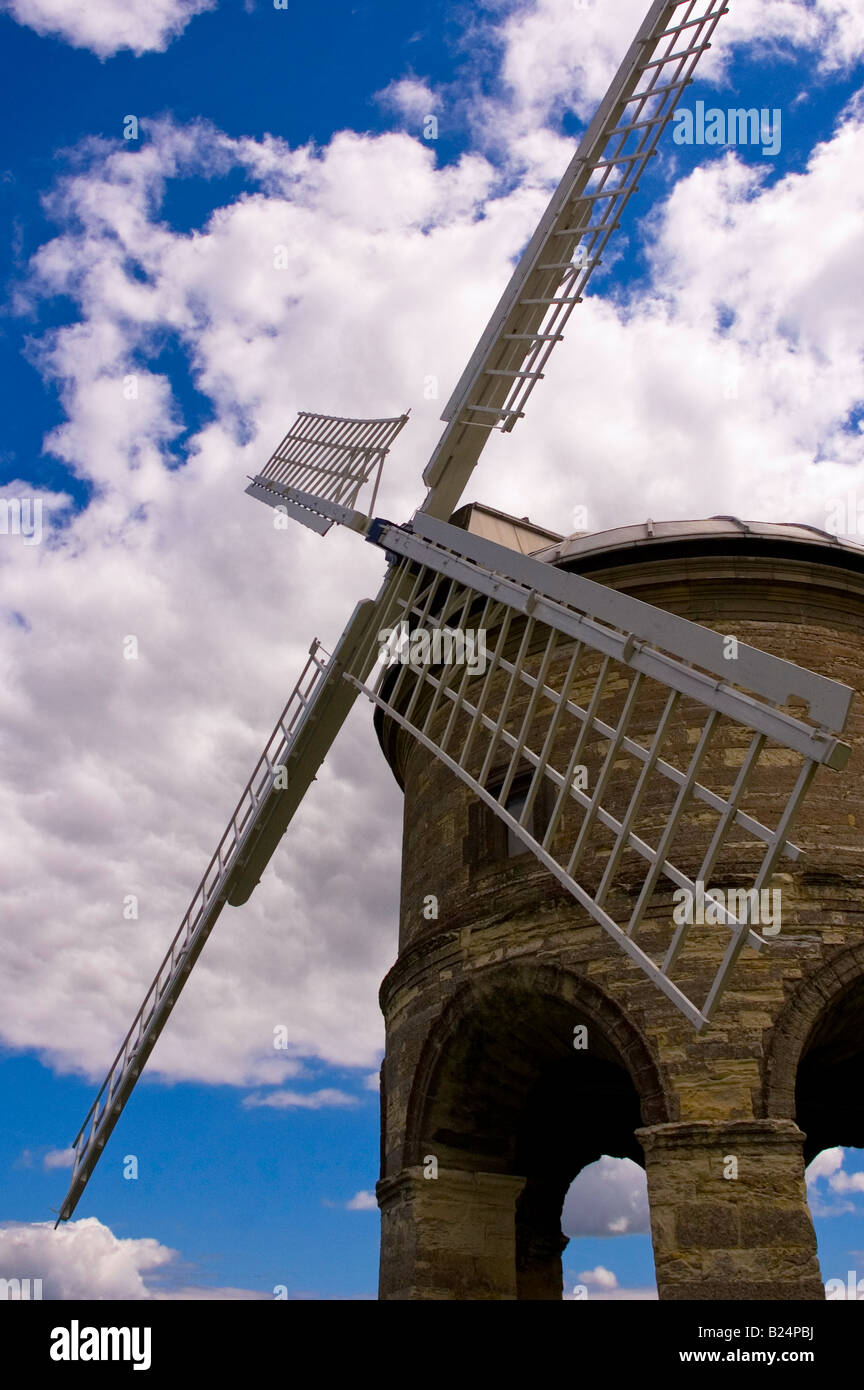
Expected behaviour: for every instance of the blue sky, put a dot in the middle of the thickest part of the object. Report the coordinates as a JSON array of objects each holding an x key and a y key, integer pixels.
[{"x": 152, "y": 258}]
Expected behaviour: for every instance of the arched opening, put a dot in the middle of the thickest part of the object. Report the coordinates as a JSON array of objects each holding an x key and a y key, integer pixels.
[
  {"x": 533, "y": 1077},
  {"x": 580, "y": 1108},
  {"x": 829, "y": 1085},
  {"x": 831, "y": 1076},
  {"x": 607, "y": 1219},
  {"x": 817, "y": 1062}
]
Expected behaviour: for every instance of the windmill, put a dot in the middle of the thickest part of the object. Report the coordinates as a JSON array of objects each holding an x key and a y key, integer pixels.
[{"x": 557, "y": 641}]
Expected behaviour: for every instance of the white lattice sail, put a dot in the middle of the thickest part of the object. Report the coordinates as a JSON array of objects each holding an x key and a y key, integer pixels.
[{"x": 324, "y": 458}]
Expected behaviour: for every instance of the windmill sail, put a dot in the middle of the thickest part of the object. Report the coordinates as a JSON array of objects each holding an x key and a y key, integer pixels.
[
  {"x": 318, "y": 707},
  {"x": 567, "y": 246},
  {"x": 635, "y": 727},
  {"x": 325, "y": 459}
]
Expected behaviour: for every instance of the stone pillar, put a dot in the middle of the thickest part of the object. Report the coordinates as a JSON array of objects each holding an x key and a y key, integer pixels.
[
  {"x": 717, "y": 1237},
  {"x": 450, "y": 1237},
  {"x": 539, "y": 1241},
  {"x": 538, "y": 1267}
]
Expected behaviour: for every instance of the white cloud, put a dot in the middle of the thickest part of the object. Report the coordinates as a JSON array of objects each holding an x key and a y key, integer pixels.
[
  {"x": 107, "y": 26},
  {"x": 829, "y": 1164},
  {"x": 602, "y": 1277},
  {"x": 614, "y": 1294},
  {"x": 824, "y": 1164},
  {"x": 85, "y": 1260},
  {"x": 833, "y": 30},
  {"x": 847, "y": 1182},
  {"x": 692, "y": 406},
  {"x": 410, "y": 97},
  {"x": 555, "y": 58},
  {"x": 299, "y": 1100},
  {"x": 362, "y": 1201},
  {"x": 142, "y": 761},
  {"x": 59, "y": 1158},
  {"x": 608, "y": 1198}
]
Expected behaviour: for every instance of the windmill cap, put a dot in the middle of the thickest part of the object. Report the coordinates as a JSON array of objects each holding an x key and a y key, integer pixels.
[{"x": 709, "y": 536}]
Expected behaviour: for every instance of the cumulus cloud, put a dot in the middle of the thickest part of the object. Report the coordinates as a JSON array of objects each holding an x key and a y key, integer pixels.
[
  {"x": 833, "y": 30},
  {"x": 557, "y": 58},
  {"x": 362, "y": 1201},
  {"x": 148, "y": 756},
  {"x": 85, "y": 1260},
  {"x": 829, "y": 1165},
  {"x": 608, "y": 1198},
  {"x": 824, "y": 1165},
  {"x": 739, "y": 349},
  {"x": 847, "y": 1182},
  {"x": 602, "y": 1277},
  {"x": 554, "y": 59},
  {"x": 107, "y": 26},
  {"x": 411, "y": 97}
]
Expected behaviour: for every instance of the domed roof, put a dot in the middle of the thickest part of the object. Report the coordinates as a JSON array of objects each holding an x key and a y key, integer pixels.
[{"x": 708, "y": 536}]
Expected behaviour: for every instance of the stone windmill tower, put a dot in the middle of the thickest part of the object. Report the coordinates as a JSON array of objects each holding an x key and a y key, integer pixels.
[
  {"x": 482, "y": 1082},
  {"x": 603, "y": 744}
]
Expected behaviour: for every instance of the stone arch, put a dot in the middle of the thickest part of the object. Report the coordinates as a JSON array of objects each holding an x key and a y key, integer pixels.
[
  {"x": 814, "y": 1062},
  {"x": 659, "y": 1104},
  {"x": 500, "y": 1089}
]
